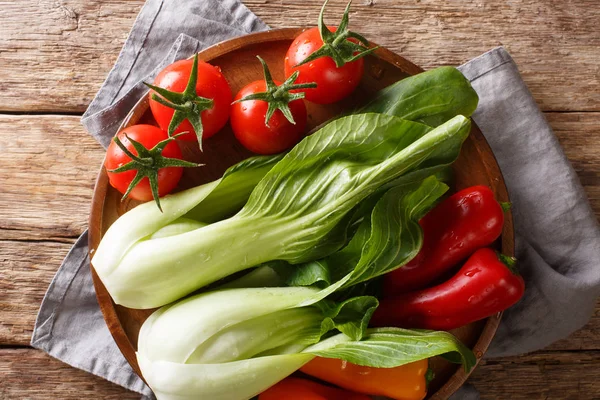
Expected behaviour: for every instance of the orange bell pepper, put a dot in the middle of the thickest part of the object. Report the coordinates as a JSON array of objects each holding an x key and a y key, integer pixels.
[
  {"x": 303, "y": 389},
  {"x": 406, "y": 382}
]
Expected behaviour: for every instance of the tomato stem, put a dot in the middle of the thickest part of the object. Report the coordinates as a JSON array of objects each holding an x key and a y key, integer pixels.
[
  {"x": 336, "y": 44},
  {"x": 506, "y": 205},
  {"x": 187, "y": 105},
  {"x": 278, "y": 97},
  {"x": 147, "y": 163}
]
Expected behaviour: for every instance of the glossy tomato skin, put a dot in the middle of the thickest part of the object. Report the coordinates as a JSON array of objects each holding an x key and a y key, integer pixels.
[
  {"x": 148, "y": 136},
  {"x": 211, "y": 84},
  {"x": 333, "y": 83},
  {"x": 248, "y": 122}
]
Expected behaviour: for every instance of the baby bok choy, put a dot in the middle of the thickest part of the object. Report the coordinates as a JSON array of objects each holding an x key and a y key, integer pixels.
[
  {"x": 299, "y": 211},
  {"x": 234, "y": 343}
]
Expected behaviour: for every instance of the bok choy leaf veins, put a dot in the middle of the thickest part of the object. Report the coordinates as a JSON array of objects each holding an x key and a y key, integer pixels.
[{"x": 290, "y": 213}]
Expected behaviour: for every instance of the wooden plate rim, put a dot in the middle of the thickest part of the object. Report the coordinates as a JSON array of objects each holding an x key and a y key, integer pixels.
[{"x": 105, "y": 302}]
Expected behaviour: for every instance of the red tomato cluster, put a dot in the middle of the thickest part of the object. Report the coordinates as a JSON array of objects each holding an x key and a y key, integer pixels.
[{"x": 192, "y": 99}]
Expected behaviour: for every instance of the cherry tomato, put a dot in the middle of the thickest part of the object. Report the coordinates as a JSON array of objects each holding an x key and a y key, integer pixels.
[
  {"x": 303, "y": 389},
  {"x": 148, "y": 136},
  {"x": 248, "y": 122},
  {"x": 333, "y": 83},
  {"x": 211, "y": 84}
]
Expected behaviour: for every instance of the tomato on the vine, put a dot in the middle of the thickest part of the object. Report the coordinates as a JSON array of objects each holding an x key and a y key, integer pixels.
[
  {"x": 143, "y": 162},
  {"x": 266, "y": 118},
  {"x": 331, "y": 57},
  {"x": 190, "y": 96}
]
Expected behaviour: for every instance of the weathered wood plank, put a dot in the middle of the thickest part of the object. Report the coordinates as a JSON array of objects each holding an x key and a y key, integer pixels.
[
  {"x": 55, "y": 54},
  {"x": 48, "y": 167},
  {"x": 542, "y": 375},
  {"x": 31, "y": 374},
  {"x": 58, "y": 62},
  {"x": 27, "y": 268}
]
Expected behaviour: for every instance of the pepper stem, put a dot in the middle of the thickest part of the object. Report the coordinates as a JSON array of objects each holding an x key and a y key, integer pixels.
[
  {"x": 278, "y": 97},
  {"x": 510, "y": 262},
  {"x": 429, "y": 376},
  {"x": 336, "y": 44}
]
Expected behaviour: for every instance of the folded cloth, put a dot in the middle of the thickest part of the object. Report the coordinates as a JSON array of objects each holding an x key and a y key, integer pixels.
[{"x": 557, "y": 235}]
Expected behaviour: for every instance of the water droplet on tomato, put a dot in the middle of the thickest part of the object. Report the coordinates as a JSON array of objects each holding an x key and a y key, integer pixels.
[{"x": 244, "y": 108}]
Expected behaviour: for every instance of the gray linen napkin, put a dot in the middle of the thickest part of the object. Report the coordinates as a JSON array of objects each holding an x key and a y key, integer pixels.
[{"x": 557, "y": 235}]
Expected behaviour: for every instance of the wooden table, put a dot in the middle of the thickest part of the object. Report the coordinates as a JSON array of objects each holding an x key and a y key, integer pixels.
[{"x": 54, "y": 55}]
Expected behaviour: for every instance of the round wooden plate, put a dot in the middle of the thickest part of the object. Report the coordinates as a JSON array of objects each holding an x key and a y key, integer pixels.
[{"x": 237, "y": 59}]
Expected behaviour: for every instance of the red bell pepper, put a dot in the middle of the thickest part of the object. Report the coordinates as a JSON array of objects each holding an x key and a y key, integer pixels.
[
  {"x": 486, "y": 284},
  {"x": 466, "y": 221},
  {"x": 303, "y": 389}
]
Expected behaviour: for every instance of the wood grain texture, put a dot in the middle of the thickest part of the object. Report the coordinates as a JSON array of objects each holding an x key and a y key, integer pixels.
[
  {"x": 543, "y": 375},
  {"x": 59, "y": 62},
  {"x": 27, "y": 268},
  {"x": 42, "y": 377},
  {"x": 48, "y": 166}
]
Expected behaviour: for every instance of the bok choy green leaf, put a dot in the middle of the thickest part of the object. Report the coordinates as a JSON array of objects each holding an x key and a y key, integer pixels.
[
  {"x": 431, "y": 97},
  {"x": 290, "y": 213},
  {"x": 389, "y": 238}
]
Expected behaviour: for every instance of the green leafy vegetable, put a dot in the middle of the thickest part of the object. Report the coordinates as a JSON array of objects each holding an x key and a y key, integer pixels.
[
  {"x": 390, "y": 237},
  {"x": 432, "y": 97},
  {"x": 233, "y": 344},
  {"x": 292, "y": 211},
  {"x": 402, "y": 346},
  {"x": 254, "y": 337}
]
